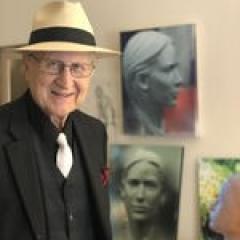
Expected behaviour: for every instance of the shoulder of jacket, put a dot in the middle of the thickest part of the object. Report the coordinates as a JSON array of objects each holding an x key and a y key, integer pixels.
[
  {"x": 86, "y": 118},
  {"x": 6, "y": 111}
]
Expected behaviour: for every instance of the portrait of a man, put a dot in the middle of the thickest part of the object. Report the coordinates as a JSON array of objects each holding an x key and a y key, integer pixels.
[
  {"x": 159, "y": 81},
  {"x": 144, "y": 202}
]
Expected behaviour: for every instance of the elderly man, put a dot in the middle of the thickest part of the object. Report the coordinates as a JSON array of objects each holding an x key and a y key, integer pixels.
[
  {"x": 145, "y": 195},
  {"x": 151, "y": 82},
  {"x": 52, "y": 156}
]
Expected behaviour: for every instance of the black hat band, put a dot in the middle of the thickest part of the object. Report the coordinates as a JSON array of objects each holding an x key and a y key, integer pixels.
[{"x": 62, "y": 34}]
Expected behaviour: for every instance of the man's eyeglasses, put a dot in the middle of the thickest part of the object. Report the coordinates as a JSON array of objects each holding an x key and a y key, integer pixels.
[{"x": 56, "y": 67}]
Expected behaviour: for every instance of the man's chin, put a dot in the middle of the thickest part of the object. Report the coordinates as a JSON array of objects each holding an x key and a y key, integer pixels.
[
  {"x": 62, "y": 112},
  {"x": 139, "y": 216},
  {"x": 58, "y": 118}
]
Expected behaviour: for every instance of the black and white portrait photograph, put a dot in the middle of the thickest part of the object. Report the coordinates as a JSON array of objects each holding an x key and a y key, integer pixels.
[
  {"x": 144, "y": 191},
  {"x": 159, "y": 81}
]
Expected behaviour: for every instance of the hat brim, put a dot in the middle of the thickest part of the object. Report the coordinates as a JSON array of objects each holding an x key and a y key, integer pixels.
[{"x": 67, "y": 47}]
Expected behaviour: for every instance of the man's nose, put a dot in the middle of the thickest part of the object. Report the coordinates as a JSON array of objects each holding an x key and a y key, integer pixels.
[
  {"x": 65, "y": 77},
  {"x": 178, "y": 78},
  {"x": 140, "y": 192}
]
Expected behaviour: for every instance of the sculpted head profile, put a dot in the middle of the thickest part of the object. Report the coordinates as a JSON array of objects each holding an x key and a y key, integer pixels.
[
  {"x": 151, "y": 68},
  {"x": 151, "y": 81}
]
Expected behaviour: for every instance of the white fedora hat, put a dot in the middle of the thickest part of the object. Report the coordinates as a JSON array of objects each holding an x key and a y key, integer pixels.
[{"x": 63, "y": 26}]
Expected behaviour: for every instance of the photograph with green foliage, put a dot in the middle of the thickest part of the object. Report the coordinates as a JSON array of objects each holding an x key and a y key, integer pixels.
[{"x": 219, "y": 194}]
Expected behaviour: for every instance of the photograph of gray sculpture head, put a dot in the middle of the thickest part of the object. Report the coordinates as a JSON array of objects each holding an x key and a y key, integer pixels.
[{"x": 158, "y": 79}]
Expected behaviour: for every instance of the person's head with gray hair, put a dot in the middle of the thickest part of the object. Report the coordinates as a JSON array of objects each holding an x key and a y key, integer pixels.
[
  {"x": 151, "y": 76},
  {"x": 141, "y": 49},
  {"x": 142, "y": 184}
]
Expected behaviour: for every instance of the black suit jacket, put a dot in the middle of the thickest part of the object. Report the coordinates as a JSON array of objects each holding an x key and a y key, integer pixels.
[{"x": 21, "y": 205}]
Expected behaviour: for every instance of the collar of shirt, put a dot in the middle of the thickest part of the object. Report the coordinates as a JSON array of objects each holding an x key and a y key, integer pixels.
[{"x": 43, "y": 125}]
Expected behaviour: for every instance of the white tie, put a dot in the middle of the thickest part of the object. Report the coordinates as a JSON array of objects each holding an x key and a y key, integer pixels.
[{"x": 64, "y": 159}]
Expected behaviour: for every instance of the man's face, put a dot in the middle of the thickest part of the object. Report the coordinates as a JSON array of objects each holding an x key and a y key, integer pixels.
[
  {"x": 57, "y": 94},
  {"x": 164, "y": 79},
  {"x": 141, "y": 191}
]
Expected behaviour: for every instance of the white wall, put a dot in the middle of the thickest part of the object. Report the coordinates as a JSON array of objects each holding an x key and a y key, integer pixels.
[{"x": 218, "y": 69}]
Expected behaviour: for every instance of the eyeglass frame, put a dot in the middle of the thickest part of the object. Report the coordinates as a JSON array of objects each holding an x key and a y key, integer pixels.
[{"x": 61, "y": 66}]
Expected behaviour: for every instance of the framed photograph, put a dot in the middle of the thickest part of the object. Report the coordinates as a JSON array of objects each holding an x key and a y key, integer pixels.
[
  {"x": 144, "y": 191},
  {"x": 219, "y": 198},
  {"x": 159, "y": 81},
  {"x": 11, "y": 74}
]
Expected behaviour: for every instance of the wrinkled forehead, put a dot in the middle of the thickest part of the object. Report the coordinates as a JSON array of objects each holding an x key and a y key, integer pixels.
[
  {"x": 141, "y": 156},
  {"x": 67, "y": 56},
  {"x": 135, "y": 154},
  {"x": 143, "y": 170}
]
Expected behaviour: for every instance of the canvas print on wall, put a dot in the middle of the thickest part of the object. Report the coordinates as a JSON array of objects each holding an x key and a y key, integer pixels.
[
  {"x": 159, "y": 81},
  {"x": 219, "y": 193},
  {"x": 12, "y": 83},
  {"x": 144, "y": 191}
]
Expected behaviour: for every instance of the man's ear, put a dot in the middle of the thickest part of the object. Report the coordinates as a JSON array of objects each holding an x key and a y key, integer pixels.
[
  {"x": 142, "y": 81},
  {"x": 26, "y": 66},
  {"x": 25, "y": 62}
]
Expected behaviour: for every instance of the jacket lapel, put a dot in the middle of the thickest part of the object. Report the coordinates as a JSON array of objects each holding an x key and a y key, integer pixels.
[{"x": 21, "y": 156}]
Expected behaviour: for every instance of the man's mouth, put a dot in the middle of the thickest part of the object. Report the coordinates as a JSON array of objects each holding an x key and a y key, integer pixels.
[
  {"x": 62, "y": 94},
  {"x": 139, "y": 209}
]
